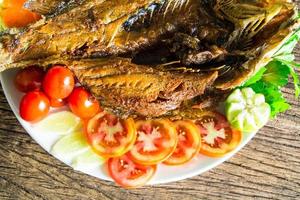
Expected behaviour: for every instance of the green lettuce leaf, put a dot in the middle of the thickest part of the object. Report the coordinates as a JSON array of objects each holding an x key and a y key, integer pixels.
[
  {"x": 291, "y": 65},
  {"x": 256, "y": 77},
  {"x": 276, "y": 73}
]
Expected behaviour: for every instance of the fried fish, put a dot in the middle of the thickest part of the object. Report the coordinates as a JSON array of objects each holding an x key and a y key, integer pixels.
[
  {"x": 97, "y": 29},
  {"x": 206, "y": 49}
]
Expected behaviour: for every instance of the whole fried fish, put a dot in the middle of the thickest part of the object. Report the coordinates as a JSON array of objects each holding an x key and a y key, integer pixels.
[{"x": 97, "y": 30}]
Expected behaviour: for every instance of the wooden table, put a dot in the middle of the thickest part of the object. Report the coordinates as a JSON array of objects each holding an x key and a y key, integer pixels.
[{"x": 267, "y": 168}]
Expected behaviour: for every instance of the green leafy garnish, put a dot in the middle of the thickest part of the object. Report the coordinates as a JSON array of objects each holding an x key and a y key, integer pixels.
[
  {"x": 270, "y": 79},
  {"x": 291, "y": 65},
  {"x": 277, "y": 74},
  {"x": 256, "y": 77},
  {"x": 273, "y": 96}
]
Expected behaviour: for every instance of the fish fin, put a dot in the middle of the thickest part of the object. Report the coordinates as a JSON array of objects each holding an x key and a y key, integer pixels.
[{"x": 248, "y": 19}]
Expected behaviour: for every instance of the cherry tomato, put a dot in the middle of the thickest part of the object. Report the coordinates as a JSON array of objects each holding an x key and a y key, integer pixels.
[
  {"x": 14, "y": 15},
  {"x": 56, "y": 103},
  {"x": 29, "y": 79},
  {"x": 218, "y": 138},
  {"x": 34, "y": 106},
  {"x": 83, "y": 104},
  {"x": 189, "y": 143},
  {"x": 156, "y": 141},
  {"x": 58, "y": 82},
  {"x": 110, "y": 136},
  {"x": 129, "y": 174}
]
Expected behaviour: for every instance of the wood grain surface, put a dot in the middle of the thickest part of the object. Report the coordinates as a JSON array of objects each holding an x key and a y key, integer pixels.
[{"x": 267, "y": 168}]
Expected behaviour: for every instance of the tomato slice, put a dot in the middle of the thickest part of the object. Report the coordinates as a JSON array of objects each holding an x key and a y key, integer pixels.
[
  {"x": 218, "y": 138},
  {"x": 110, "y": 136},
  {"x": 129, "y": 174},
  {"x": 189, "y": 143},
  {"x": 156, "y": 141}
]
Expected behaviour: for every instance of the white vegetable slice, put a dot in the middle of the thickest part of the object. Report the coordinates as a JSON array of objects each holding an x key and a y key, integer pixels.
[
  {"x": 87, "y": 160},
  {"x": 73, "y": 148},
  {"x": 246, "y": 110},
  {"x": 70, "y": 146},
  {"x": 61, "y": 123}
]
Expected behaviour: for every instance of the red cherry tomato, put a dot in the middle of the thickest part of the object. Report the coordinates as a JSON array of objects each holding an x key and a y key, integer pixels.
[
  {"x": 129, "y": 174},
  {"x": 29, "y": 79},
  {"x": 218, "y": 138},
  {"x": 58, "y": 82},
  {"x": 83, "y": 104},
  {"x": 34, "y": 106},
  {"x": 56, "y": 103},
  {"x": 110, "y": 136}
]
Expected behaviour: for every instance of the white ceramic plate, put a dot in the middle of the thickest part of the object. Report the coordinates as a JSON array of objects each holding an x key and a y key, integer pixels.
[{"x": 164, "y": 173}]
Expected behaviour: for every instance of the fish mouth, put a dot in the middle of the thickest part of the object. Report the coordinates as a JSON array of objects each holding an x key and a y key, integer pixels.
[{"x": 153, "y": 58}]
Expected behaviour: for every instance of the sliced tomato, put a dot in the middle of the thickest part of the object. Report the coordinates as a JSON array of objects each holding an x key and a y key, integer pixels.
[
  {"x": 218, "y": 138},
  {"x": 189, "y": 143},
  {"x": 129, "y": 174},
  {"x": 156, "y": 141},
  {"x": 109, "y": 135}
]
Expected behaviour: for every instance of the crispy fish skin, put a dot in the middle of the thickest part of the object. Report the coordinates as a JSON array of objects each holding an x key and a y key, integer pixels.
[
  {"x": 172, "y": 15},
  {"x": 93, "y": 22},
  {"x": 97, "y": 30},
  {"x": 49, "y": 7},
  {"x": 44, "y": 7},
  {"x": 140, "y": 90}
]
